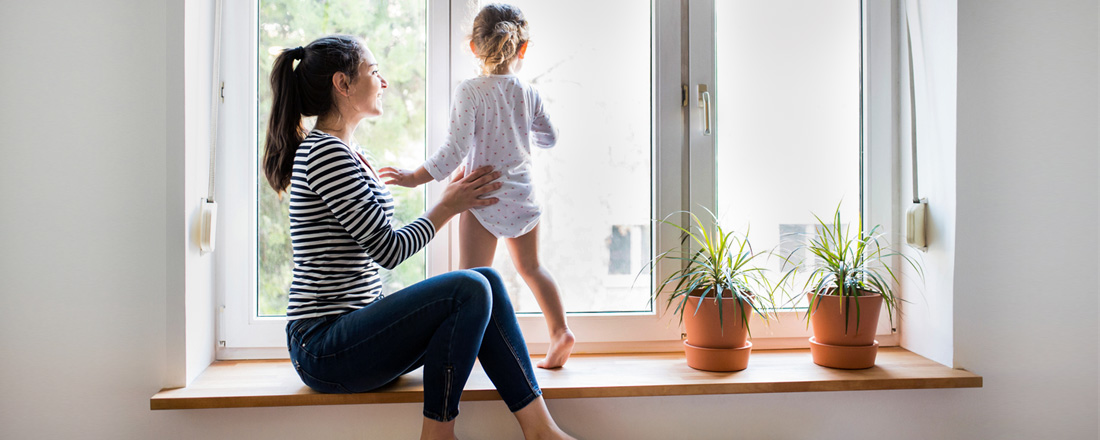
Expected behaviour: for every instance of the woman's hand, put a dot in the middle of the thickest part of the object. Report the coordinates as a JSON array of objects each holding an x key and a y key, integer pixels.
[
  {"x": 464, "y": 192},
  {"x": 405, "y": 178}
]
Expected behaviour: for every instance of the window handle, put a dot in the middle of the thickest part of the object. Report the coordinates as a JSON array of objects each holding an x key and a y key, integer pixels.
[{"x": 704, "y": 103}]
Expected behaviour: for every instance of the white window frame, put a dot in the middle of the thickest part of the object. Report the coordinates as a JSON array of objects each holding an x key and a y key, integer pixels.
[
  {"x": 241, "y": 335},
  {"x": 878, "y": 137}
]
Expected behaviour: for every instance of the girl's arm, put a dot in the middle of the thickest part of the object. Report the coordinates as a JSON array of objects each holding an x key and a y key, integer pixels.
[
  {"x": 542, "y": 131},
  {"x": 405, "y": 178},
  {"x": 460, "y": 135}
]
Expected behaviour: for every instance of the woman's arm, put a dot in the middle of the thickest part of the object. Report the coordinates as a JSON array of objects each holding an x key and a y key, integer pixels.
[{"x": 334, "y": 174}]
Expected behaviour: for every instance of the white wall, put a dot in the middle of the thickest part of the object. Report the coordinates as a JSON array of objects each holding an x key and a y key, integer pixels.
[
  {"x": 927, "y": 314},
  {"x": 82, "y": 235},
  {"x": 89, "y": 104},
  {"x": 189, "y": 163},
  {"x": 1027, "y": 230}
]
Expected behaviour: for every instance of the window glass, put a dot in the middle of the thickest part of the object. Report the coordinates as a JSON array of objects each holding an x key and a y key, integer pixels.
[
  {"x": 788, "y": 139},
  {"x": 590, "y": 62},
  {"x": 395, "y": 31}
]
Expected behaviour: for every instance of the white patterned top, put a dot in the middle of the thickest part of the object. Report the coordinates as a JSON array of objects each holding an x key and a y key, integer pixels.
[{"x": 494, "y": 121}]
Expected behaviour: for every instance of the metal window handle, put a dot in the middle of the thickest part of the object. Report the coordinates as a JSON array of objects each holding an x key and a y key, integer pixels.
[{"x": 704, "y": 102}]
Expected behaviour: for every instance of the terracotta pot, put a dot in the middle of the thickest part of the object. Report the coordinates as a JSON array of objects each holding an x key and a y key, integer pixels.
[
  {"x": 705, "y": 330},
  {"x": 717, "y": 359},
  {"x": 714, "y": 345},
  {"x": 845, "y": 325},
  {"x": 842, "y": 356}
]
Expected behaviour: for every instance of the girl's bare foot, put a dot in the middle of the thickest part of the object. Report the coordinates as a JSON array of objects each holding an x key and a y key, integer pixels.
[{"x": 561, "y": 346}]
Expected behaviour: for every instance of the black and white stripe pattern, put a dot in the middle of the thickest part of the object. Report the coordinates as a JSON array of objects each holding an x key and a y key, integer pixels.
[{"x": 341, "y": 230}]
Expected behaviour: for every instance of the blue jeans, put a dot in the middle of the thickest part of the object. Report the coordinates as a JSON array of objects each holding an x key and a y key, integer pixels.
[{"x": 442, "y": 323}]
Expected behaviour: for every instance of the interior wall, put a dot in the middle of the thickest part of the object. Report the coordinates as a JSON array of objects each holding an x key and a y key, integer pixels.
[
  {"x": 198, "y": 25},
  {"x": 83, "y": 105},
  {"x": 1026, "y": 226},
  {"x": 928, "y": 310},
  {"x": 85, "y": 255}
]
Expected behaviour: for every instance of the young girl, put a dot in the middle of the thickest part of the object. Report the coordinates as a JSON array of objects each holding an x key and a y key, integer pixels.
[{"x": 494, "y": 120}]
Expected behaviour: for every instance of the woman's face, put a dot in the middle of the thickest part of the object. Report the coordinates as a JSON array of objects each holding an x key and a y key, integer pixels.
[{"x": 365, "y": 91}]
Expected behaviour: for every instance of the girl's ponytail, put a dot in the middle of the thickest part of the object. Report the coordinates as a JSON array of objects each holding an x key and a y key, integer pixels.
[{"x": 284, "y": 128}]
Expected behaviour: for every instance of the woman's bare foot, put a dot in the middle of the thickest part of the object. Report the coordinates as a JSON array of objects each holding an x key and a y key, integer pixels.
[
  {"x": 435, "y": 430},
  {"x": 561, "y": 346},
  {"x": 537, "y": 423}
]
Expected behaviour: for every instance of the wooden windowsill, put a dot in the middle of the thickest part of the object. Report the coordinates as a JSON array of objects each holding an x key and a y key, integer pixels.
[{"x": 240, "y": 384}]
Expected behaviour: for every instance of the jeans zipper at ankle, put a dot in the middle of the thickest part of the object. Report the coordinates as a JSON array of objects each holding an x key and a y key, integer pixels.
[{"x": 448, "y": 374}]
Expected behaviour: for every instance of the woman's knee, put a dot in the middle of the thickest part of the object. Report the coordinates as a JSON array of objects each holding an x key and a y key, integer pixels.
[
  {"x": 491, "y": 275},
  {"x": 496, "y": 283},
  {"x": 472, "y": 288}
]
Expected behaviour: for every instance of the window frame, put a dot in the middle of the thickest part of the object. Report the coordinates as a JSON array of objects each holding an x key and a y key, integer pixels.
[
  {"x": 879, "y": 185},
  {"x": 241, "y": 335}
]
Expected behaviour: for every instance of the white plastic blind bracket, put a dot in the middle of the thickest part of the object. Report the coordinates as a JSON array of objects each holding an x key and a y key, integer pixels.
[
  {"x": 208, "y": 223},
  {"x": 916, "y": 221}
]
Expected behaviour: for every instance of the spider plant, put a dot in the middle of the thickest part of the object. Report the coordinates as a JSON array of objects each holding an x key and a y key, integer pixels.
[
  {"x": 723, "y": 266},
  {"x": 848, "y": 265}
]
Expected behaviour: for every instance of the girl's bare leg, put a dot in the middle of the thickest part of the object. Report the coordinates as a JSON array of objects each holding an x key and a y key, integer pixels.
[
  {"x": 536, "y": 422},
  {"x": 525, "y": 256},
  {"x": 476, "y": 245},
  {"x": 436, "y": 430}
]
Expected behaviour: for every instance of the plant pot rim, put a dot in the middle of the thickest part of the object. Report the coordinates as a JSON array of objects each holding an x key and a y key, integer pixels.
[
  {"x": 748, "y": 346},
  {"x": 849, "y": 348},
  {"x": 695, "y": 293},
  {"x": 872, "y": 294}
]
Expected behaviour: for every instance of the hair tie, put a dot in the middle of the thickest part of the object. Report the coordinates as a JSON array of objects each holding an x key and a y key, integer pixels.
[{"x": 298, "y": 52}]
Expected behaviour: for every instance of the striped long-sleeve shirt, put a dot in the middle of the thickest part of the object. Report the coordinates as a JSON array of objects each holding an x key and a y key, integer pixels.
[{"x": 341, "y": 229}]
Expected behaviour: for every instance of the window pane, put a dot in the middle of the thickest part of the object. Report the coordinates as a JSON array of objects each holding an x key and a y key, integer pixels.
[
  {"x": 395, "y": 31},
  {"x": 594, "y": 186},
  {"x": 789, "y": 120}
]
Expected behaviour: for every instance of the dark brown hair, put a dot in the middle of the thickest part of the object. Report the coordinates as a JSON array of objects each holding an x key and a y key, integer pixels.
[
  {"x": 499, "y": 31},
  {"x": 303, "y": 90}
]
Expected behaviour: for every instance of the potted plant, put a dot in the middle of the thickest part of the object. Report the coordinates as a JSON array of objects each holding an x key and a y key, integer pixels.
[
  {"x": 850, "y": 280},
  {"x": 716, "y": 290}
]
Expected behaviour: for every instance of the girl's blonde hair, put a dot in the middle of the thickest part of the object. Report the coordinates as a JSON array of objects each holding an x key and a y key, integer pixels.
[{"x": 499, "y": 31}]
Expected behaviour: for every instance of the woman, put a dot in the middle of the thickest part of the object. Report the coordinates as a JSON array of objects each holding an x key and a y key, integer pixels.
[{"x": 344, "y": 335}]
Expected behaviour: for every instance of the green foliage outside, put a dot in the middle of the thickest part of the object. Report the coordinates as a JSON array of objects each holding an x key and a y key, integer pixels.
[{"x": 395, "y": 31}]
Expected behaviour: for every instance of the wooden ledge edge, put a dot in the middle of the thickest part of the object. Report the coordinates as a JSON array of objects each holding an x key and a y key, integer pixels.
[{"x": 252, "y": 384}]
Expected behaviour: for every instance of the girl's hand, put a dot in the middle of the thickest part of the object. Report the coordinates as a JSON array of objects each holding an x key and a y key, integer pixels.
[
  {"x": 465, "y": 191},
  {"x": 396, "y": 176},
  {"x": 402, "y": 177}
]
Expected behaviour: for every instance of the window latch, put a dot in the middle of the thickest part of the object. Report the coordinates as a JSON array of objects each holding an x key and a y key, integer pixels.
[{"x": 704, "y": 103}]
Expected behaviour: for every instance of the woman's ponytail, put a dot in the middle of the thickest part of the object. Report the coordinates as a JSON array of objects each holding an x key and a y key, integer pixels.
[
  {"x": 284, "y": 128},
  {"x": 305, "y": 90}
]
